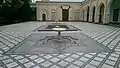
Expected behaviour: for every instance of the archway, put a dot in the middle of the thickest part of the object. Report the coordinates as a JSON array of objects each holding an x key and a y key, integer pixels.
[
  {"x": 93, "y": 14},
  {"x": 43, "y": 17},
  {"x": 101, "y": 13},
  {"x": 88, "y": 8}
]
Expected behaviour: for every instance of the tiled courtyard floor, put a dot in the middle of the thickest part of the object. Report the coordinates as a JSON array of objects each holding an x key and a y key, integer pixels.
[{"x": 109, "y": 36}]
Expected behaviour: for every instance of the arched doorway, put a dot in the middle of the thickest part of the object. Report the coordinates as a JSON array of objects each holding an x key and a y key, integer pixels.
[
  {"x": 88, "y": 8},
  {"x": 43, "y": 17},
  {"x": 101, "y": 13},
  {"x": 93, "y": 14}
]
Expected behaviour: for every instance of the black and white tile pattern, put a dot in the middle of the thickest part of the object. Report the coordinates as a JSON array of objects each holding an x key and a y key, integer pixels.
[{"x": 106, "y": 35}]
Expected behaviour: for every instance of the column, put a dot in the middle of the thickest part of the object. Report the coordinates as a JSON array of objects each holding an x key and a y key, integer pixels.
[
  {"x": 85, "y": 16},
  {"x": 91, "y": 15},
  {"x": 106, "y": 15},
  {"x": 108, "y": 18},
  {"x": 97, "y": 12},
  {"x": 90, "y": 12}
]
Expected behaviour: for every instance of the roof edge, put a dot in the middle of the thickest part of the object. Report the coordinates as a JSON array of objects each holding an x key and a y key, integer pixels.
[{"x": 55, "y": 2}]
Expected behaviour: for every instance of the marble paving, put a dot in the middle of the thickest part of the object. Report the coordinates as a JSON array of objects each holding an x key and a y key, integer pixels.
[
  {"x": 74, "y": 42},
  {"x": 108, "y": 36}
]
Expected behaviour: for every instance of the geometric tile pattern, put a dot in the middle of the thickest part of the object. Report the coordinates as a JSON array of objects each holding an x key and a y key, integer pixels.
[
  {"x": 106, "y": 35},
  {"x": 33, "y": 44}
]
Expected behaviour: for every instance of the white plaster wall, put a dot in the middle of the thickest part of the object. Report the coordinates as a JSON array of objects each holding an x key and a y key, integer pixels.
[{"x": 57, "y": 7}]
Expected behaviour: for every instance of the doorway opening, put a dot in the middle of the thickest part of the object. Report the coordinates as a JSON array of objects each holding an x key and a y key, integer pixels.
[
  {"x": 65, "y": 14},
  {"x": 101, "y": 16},
  {"x": 93, "y": 16},
  {"x": 88, "y": 14},
  {"x": 115, "y": 14},
  {"x": 43, "y": 17}
]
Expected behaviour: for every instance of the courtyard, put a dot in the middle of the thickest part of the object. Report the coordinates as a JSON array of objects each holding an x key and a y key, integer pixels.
[{"x": 11, "y": 36}]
